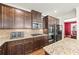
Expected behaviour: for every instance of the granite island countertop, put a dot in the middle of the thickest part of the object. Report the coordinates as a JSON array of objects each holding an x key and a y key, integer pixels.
[
  {"x": 2, "y": 40},
  {"x": 66, "y": 46}
]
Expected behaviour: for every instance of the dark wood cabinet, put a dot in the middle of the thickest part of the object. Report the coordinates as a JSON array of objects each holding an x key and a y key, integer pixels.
[
  {"x": 4, "y": 49},
  {"x": 49, "y": 21},
  {"x": 19, "y": 49},
  {"x": 36, "y": 43},
  {"x": 34, "y": 16},
  {"x": 40, "y": 42},
  {"x": 0, "y": 50},
  {"x": 11, "y": 17},
  {"x": 8, "y": 17},
  {"x": 27, "y": 21},
  {"x": 0, "y": 16},
  {"x": 28, "y": 45},
  {"x": 36, "y": 19},
  {"x": 11, "y": 50},
  {"x": 15, "y": 47},
  {"x": 24, "y": 46},
  {"x": 45, "y": 40},
  {"x": 45, "y": 23},
  {"x": 19, "y": 19}
]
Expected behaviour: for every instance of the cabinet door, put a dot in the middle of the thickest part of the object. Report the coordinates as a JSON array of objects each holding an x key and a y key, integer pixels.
[
  {"x": 34, "y": 16},
  {"x": 11, "y": 50},
  {"x": 19, "y": 18},
  {"x": 36, "y": 43},
  {"x": 19, "y": 49},
  {"x": 28, "y": 47},
  {"x": 15, "y": 49},
  {"x": 45, "y": 40},
  {"x": 45, "y": 22},
  {"x": 7, "y": 16},
  {"x": 0, "y": 51},
  {"x": 50, "y": 20},
  {"x": 41, "y": 42},
  {"x": 39, "y": 17},
  {"x": 27, "y": 20},
  {"x": 0, "y": 16}
]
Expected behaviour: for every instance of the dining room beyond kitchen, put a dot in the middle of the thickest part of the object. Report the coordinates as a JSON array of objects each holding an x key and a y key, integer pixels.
[{"x": 70, "y": 28}]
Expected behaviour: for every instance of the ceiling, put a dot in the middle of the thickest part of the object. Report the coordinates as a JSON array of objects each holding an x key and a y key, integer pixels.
[{"x": 49, "y": 8}]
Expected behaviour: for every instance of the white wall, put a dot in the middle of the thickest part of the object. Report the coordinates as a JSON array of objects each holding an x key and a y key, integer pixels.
[
  {"x": 70, "y": 20},
  {"x": 77, "y": 15}
]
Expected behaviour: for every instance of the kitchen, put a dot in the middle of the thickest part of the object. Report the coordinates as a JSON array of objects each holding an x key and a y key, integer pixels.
[{"x": 25, "y": 32}]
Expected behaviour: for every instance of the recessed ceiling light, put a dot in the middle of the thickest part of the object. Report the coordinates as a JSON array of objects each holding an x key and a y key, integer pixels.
[{"x": 55, "y": 11}]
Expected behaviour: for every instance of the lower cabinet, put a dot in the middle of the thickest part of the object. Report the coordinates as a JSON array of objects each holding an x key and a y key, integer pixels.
[
  {"x": 45, "y": 40},
  {"x": 25, "y": 46},
  {"x": 28, "y": 46},
  {"x": 40, "y": 42},
  {"x": 0, "y": 51},
  {"x": 4, "y": 49},
  {"x": 36, "y": 43},
  {"x": 19, "y": 49},
  {"x": 15, "y": 49}
]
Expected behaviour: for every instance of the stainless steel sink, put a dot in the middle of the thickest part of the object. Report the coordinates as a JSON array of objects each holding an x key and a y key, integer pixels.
[{"x": 35, "y": 34}]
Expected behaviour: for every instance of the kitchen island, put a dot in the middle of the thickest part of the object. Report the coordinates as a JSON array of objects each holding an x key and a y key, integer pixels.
[{"x": 66, "y": 46}]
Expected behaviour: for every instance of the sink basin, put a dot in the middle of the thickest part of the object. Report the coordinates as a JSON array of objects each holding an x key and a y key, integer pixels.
[{"x": 35, "y": 34}]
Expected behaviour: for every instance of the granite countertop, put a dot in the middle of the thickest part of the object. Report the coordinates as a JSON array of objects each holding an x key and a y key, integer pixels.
[
  {"x": 66, "y": 46},
  {"x": 2, "y": 40}
]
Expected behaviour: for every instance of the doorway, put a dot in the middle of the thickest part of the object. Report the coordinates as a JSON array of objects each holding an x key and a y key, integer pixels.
[{"x": 70, "y": 30}]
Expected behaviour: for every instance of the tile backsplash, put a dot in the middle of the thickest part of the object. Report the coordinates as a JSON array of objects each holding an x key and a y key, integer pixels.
[{"x": 5, "y": 33}]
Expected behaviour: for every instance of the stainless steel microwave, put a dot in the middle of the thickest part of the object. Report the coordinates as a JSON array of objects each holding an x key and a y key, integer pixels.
[{"x": 37, "y": 25}]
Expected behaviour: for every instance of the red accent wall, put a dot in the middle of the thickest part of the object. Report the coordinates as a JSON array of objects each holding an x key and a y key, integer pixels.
[{"x": 67, "y": 27}]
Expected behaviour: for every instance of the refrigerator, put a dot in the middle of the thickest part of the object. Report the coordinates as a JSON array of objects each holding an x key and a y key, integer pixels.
[{"x": 54, "y": 33}]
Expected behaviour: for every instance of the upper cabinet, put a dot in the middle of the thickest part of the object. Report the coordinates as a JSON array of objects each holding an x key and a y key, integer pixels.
[
  {"x": 19, "y": 19},
  {"x": 0, "y": 16},
  {"x": 49, "y": 21},
  {"x": 7, "y": 17},
  {"x": 45, "y": 22},
  {"x": 11, "y": 17},
  {"x": 37, "y": 22},
  {"x": 27, "y": 20},
  {"x": 52, "y": 20},
  {"x": 36, "y": 16}
]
